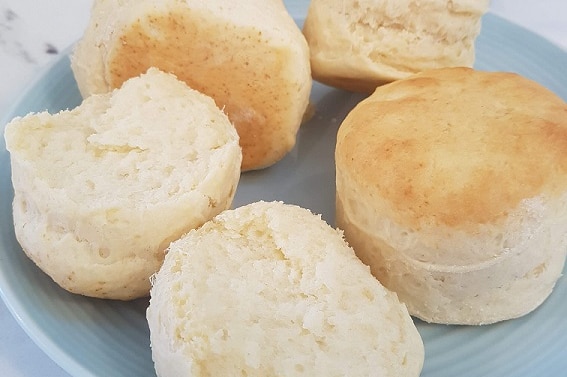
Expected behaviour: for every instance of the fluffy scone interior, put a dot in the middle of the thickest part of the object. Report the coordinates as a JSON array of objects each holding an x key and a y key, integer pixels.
[
  {"x": 270, "y": 289},
  {"x": 360, "y": 44},
  {"x": 249, "y": 56},
  {"x": 101, "y": 190},
  {"x": 452, "y": 186}
]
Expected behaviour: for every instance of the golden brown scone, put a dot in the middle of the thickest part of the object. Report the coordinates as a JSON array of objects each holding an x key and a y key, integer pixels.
[
  {"x": 452, "y": 186},
  {"x": 250, "y": 56},
  {"x": 359, "y": 44}
]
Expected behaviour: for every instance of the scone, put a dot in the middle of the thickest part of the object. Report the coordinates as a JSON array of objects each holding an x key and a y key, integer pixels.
[
  {"x": 269, "y": 289},
  {"x": 249, "y": 56},
  {"x": 101, "y": 190},
  {"x": 358, "y": 45},
  {"x": 452, "y": 187}
]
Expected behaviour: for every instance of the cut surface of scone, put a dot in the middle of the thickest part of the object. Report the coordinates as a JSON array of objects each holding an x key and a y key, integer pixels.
[
  {"x": 270, "y": 289},
  {"x": 452, "y": 187},
  {"x": 249, "y": 56},
  {"x": 358, "y": 45},
  {"x": 101, "y": 190}
]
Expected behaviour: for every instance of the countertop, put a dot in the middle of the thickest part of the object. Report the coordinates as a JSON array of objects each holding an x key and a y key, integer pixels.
[{"x": 34, "y": 33}]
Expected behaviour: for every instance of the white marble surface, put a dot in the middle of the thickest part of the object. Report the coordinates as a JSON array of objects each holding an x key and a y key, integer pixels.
[{"x": 33, "y": 33}]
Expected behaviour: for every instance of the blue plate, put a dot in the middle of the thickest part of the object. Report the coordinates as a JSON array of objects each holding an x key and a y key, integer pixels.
[{"x": 90, "y": 337}]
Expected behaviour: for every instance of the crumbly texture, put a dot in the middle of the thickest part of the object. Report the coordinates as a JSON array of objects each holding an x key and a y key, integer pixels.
[
  {"x": 101, "y": 190},
  {"x": 452, "y": 186},
  {"x": 249, "y": 56},
  {"x": 269, "y": 289},
  {"x": 360, "y": 44}
]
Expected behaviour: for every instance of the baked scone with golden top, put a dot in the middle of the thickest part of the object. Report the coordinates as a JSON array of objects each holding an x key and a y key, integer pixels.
[
  {"x": 101, "y": 190},
  {"x": 270, "y": 289},
  {"x": 358, "y": 45},
  {"x": 452, "y": 187},
  {"x": 249, "y": 56}
]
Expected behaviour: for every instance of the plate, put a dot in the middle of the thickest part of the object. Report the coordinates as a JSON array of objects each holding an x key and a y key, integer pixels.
[{"x": 90, "y": 337}]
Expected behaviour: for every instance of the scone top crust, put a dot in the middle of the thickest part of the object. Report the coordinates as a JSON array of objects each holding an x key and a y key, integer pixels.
[
  {"x": 249, "y": 56},
  {"x": 456, "y": 147}
]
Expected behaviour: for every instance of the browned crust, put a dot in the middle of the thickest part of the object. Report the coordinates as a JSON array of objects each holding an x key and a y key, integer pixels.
[
  {"x": 456, "y": 146},
  {"x": 243, "y": 70}
]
